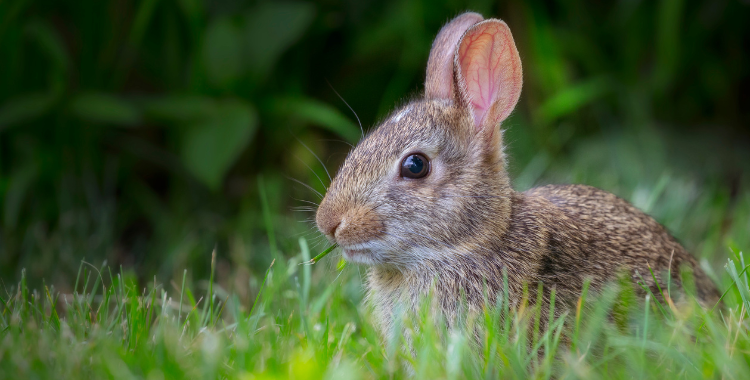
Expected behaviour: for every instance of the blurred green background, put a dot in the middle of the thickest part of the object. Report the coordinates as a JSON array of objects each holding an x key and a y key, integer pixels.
[{"x": 148, "y": 133}]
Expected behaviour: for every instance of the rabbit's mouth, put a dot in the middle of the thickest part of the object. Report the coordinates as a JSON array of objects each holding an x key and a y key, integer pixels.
[
  {"x": 359, "y": 254},
  {"x": 350, "y": 254}
]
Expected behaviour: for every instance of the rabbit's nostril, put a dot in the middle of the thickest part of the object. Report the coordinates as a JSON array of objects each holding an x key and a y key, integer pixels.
[{"x": 332, "y": 231}]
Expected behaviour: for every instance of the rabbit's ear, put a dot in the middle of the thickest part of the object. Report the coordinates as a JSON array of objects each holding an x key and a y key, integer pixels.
[
  {"x": 488, "y": 73},
  {"x": 439, "y": 81}
]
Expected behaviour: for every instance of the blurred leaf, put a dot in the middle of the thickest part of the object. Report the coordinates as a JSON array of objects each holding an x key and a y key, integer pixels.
[
  {"x": 320, "y": 114},
  {"x": 18, "y": 188},
  {"x": 25, "y": 108},
  {"x": 50, "y": 43},
  {"x": 222, "y": 52},
  {"x": 271, "y": 28},
  {"x": 545, "y": 47},
  {"x": 141, "y": 21},
  {"x": 193, "y": 11},
  {"x": 667, "y": 41},
  {"x": 210, "y": 147},
  {"x": 180, "y": 108},
  {"x": 572, "y": 98},
  {"x": 104, "y": 108},
  {"x": 9, "y": 12},
  {"x": 215, "y": 131}
]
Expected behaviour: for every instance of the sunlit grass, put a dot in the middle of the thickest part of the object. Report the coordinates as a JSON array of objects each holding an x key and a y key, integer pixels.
[
  {"x": 309, "y": 321},
  {"x": 300, "y": 328}
]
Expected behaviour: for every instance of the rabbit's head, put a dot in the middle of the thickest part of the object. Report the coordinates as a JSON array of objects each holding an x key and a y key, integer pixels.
[{"x": 430, "y": 182}]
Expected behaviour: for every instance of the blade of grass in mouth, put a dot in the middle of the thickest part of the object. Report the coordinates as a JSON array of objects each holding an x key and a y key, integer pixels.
[{"x": 323, "y": 254}]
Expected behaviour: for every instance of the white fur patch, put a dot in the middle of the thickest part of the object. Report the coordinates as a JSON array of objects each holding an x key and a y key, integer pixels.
[{"x": 401, "y": 114}]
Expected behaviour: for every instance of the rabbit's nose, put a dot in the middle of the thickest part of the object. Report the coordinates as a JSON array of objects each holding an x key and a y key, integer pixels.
[
  {"x": 329, "y": 227},
  {"x": 328, "y": 221}
]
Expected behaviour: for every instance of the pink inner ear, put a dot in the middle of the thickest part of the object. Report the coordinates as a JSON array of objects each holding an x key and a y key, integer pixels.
[{"x": 491, "y": 70}]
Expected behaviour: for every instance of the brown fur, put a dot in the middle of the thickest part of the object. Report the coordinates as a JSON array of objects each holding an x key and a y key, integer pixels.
[{"x": 456, "y": 230}]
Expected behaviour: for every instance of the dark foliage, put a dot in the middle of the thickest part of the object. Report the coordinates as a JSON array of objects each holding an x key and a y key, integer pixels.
[{"x": 147, "y": 132}]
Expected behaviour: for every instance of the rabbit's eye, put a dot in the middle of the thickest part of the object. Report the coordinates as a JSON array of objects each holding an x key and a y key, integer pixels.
[{"x": 415, "y": 166}]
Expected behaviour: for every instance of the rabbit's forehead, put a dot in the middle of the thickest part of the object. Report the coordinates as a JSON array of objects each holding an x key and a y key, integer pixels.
[
  {"x": 420, "y": 126},
  {"x": 417, "y": 126}
]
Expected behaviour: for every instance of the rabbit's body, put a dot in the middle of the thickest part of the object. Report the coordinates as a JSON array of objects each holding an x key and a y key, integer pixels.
[
  {"x": 558, "y": 236},
  {"x": 602, "y": 234},
  {"x": 426, "y": 202}
]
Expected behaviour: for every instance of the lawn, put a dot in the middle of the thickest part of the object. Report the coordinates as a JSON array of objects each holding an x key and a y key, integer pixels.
[
  {"x": 300, "y": 327},
  {"x": 308, "y": 321}
]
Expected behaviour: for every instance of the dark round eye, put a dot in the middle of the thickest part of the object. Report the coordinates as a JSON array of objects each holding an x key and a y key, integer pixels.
[{"x": 415, "y": 166}]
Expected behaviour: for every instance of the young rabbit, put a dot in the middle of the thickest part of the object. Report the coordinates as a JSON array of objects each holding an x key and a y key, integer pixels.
[{"x": 426, "y": 203}]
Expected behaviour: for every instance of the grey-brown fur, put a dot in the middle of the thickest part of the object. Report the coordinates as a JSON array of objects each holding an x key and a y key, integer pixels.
[{"x": 456, "y": 230}]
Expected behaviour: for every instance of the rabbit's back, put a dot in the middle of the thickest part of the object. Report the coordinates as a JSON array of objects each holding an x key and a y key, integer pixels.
[{"x": 610, "y": 235}]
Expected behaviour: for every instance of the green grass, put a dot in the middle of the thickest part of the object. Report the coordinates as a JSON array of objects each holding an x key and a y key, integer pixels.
[
  {"x": 286, "y": 320},
  {"x": 307, "y": 322}
]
